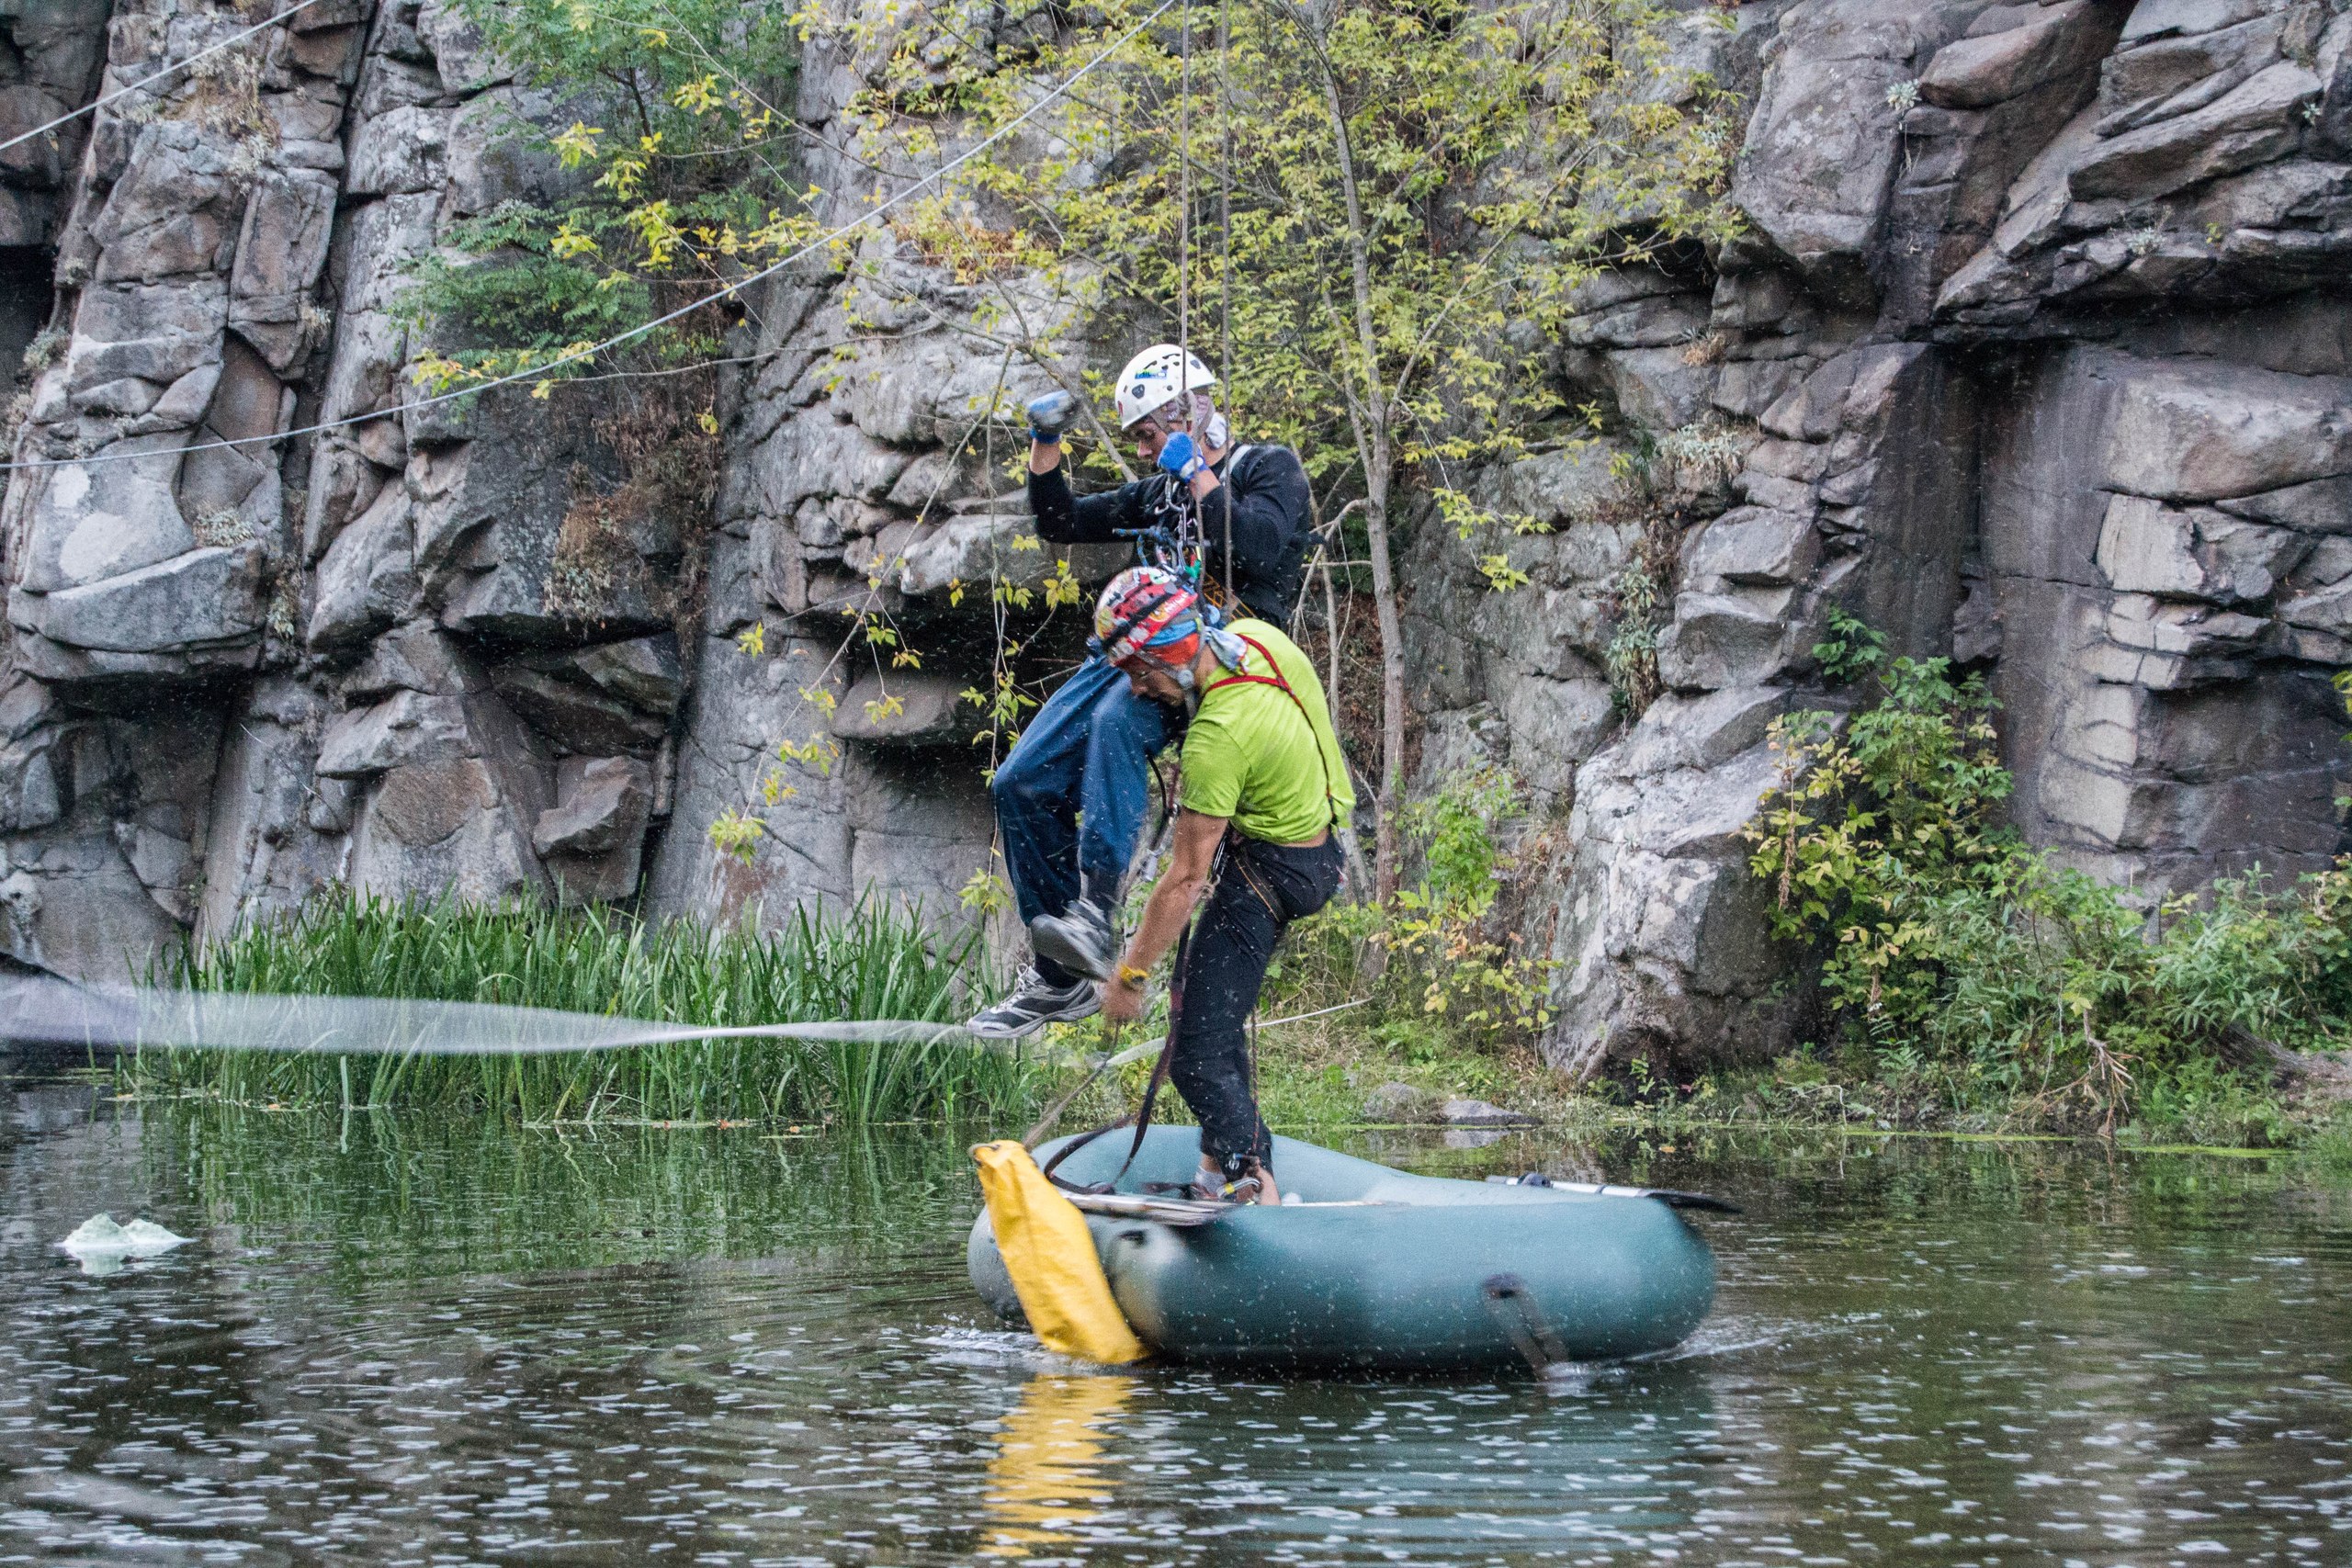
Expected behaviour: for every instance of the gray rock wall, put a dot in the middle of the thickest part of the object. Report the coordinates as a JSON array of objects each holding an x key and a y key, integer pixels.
[
  {"x": 865, "y": 479},
  {"x": 236, "y": 674},
  {"x": 2033, "y": 353}
]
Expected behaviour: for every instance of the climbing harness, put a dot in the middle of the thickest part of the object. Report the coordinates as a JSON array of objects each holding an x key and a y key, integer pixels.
[
  {"x": 1330, "y": 797},
  {"x": 1177, "y": 539}
]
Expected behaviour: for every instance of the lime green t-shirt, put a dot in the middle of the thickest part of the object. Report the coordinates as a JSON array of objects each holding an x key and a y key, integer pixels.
[{"x": 1250, "y": 753}]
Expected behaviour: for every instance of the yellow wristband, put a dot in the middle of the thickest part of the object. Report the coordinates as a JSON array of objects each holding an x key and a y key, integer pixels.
[{"x": 1131, "y": 976}]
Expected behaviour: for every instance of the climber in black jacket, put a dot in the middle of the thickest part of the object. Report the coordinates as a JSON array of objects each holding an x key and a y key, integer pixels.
[
  {"x": 1072, "y": 797},
  {"x": 1264, "y": 487}
]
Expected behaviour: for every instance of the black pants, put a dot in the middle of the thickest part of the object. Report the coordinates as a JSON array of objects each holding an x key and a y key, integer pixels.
[{"x": 1262, "y": 888}]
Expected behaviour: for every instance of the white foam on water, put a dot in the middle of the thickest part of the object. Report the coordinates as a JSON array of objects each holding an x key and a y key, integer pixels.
[
  {"x": 996, "y": 1348},
  {"x": 1575, "y": 1378},
  {"x": 1731, "y": 1336}
]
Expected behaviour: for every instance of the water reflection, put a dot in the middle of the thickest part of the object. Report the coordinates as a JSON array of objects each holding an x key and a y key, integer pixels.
[
  {"x": 1046, "y": 1478},
  {"x": 405, "y": 1341}
]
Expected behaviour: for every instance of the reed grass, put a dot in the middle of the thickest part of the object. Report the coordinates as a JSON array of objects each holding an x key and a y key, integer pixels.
[{"x": 873, "y": 961}]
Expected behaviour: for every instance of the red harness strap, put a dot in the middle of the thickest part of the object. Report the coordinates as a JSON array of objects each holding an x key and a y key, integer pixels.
[
  {"x": 1275, "y": 680},
  {"x": 1331, "y": 801}
]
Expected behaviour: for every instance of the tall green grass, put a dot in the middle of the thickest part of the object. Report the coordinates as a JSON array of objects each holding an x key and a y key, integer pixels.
[{"x": 871, "y": 962}]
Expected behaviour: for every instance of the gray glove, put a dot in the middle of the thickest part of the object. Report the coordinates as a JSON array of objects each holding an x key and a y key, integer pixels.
[{"x": 1051, "y": 415}]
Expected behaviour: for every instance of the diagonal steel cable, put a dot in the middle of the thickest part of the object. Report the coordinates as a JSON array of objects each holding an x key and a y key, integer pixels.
[
  {"x": 152, "y": 77},
  {"x": 589, "y": 351}
]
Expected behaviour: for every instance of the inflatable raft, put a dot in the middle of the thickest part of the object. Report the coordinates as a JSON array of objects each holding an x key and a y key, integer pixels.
[{"x": 1374, "y": 1269}]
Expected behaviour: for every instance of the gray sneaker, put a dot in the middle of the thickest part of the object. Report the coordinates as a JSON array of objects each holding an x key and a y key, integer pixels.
[
  {"x": 1081, "y": 940},
  {"x": 1033, "y": 1005}
]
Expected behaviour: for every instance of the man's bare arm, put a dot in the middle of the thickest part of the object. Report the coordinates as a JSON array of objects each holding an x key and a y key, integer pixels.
[
  {"x": 1180, "y": 888},
  {"x": 1164, "y": 915}
]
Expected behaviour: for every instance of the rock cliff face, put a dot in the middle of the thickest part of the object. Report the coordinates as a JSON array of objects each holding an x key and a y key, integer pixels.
[{"x": 2034, "y": 353}]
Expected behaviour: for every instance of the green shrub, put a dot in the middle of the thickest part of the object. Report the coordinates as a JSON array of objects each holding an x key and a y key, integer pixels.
[
  {"x": 1944, "y": 940},
  {"x": 1452, "y": 831},
  {"x": 1430, "y": 960}
]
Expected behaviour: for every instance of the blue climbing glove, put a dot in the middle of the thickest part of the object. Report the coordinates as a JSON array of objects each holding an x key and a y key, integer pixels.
[
  {"x": 1181, "y": 458},
  {"x": 1051, "y": 415}
]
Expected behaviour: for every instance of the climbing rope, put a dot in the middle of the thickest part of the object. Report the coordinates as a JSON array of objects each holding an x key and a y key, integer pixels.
[
  {"x": 1225, "y": 253},
  {"x": 1185, "y": 210},
  {"x": 589, "y": 351}
]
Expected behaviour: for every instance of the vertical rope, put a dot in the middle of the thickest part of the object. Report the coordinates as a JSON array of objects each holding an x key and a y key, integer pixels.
[
  {"x": 1191, "y": 513},
  {"x": 1184, "y": 209},
  {"x": 1225, "y": 257}
]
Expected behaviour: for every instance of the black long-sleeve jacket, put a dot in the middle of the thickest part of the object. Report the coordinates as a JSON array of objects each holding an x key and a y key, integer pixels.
[{"x": 1264, "y": 485}]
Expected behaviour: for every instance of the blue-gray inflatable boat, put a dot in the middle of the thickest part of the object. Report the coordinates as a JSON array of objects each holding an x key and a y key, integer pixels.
[{"x": 1370, "y": 1268}]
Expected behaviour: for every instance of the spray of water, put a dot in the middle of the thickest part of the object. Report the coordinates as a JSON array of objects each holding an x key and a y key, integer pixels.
[{"x": 62, "y": 1012}]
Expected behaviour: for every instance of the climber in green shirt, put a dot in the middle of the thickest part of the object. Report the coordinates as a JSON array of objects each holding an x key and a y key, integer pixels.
[{"x": 1265, "y": 794}]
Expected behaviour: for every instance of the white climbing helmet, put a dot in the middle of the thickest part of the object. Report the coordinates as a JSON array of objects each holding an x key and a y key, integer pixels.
[{"x": 1154, "y": 377}]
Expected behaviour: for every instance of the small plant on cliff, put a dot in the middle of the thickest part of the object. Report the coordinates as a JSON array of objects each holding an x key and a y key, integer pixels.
[
  {"x": 1631, "y": 654},
  {"x": 47, "y": 348},
  {"x": 2343, "y": 684}
]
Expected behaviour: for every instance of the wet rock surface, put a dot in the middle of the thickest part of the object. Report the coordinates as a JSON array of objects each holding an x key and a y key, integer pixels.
[{"x": 1399, "y": 1105}]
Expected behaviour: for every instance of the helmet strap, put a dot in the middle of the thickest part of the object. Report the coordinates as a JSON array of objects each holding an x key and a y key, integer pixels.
[{"x": 1186, "y": 682}]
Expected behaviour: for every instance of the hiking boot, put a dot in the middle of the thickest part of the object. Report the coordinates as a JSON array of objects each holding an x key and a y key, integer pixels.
[
  {"x": 1034, "y": 1004},
  {"x": 1080, "y": 941},
  {"x": 1255, "y": 1186}
]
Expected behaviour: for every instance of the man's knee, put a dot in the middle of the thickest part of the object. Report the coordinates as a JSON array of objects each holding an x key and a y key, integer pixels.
[{"x": 1018, "y": 779}]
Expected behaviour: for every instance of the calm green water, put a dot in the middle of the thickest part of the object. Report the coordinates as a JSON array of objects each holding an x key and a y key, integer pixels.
[{"x": 420, "y": 1343}]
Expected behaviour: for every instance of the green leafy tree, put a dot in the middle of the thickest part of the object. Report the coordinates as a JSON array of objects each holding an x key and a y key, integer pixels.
[
  {"x": 677, "y": 156},
  {"x": 1372, "y": 211}
]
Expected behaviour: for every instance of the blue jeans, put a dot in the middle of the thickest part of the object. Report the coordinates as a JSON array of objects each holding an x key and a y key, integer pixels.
[{"x": 1088, "y": 750}]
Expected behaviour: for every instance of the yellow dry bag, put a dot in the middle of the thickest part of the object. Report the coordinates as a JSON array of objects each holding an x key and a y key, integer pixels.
[{"x": 1050, "y": 1255}]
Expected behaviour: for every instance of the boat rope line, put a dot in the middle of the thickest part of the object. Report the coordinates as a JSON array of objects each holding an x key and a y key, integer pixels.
[
  {"x": 50, "y": 1010},
  {"x": 152, "y": 77},
  {"x": 589, "y": 351}
]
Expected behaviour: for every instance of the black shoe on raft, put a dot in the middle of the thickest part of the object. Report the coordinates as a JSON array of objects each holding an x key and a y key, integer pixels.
[{"x": 1034, "y": 1004}]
